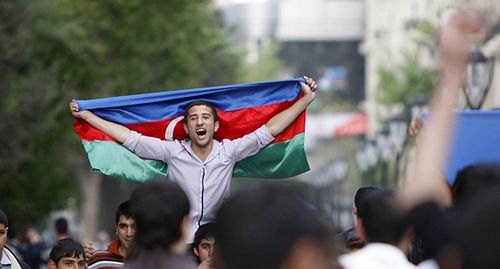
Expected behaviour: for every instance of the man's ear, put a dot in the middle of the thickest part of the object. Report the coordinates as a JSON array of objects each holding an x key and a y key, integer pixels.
[
  {"x": 185, "y": 127},
  {"x": 195, "y": 251},
  {"x": 216, "y": 126},
  {"x": 52, "y": 265}
]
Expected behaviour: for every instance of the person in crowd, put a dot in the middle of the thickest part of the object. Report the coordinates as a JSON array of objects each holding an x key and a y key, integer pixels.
[
  {"x": 474, "y": 180},
  {"x": 351, "y": 237},
  {"x": 387, "y": 231},
  {"x": 103, "y": 240},
  {"x": 34, "y": 248},
  {"x": 204, "y": 245},
  {"x": 7, "y": 257},
  {"x": 61, "y": 227},
  {"x": 201, "y": 158},
  {"x": 67, "y": 254},
  {"x": 161, "y": 212},
  {"x": 114, "y": 255},
  {"x": 273, "y": 226}
]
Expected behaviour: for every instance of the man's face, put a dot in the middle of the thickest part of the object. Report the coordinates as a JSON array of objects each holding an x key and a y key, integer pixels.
[
  {"x": 205, "y": 249},
  {"x": 125, "y": 230},
  {"x": 201, "y": 125},
  {"x": 3, "y": 235},
  {"x": 69, "y": 263}
]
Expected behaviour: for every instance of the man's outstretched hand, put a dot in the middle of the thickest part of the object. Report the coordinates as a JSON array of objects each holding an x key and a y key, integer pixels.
[{"x": 309, "y": 89}]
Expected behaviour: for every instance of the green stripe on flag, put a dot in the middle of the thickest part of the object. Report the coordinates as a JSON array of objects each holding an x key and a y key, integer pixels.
[
  {"x": 113, "y": 159},
  {"x": 279, "y": 160}
]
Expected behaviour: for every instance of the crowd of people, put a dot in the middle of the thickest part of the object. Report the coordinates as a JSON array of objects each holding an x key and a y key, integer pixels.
[{"x": 421, "y": 224}]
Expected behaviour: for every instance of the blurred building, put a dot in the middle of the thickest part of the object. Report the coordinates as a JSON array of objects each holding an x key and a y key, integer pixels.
[
  {"x": 318, "y": 38},
  {"x": 390, "y": 31}
]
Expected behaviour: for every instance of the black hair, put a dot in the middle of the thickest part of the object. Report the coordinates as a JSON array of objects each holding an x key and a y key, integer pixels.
[
  {"x": 66, "y": 248},
  {"x": 207, "y": 230},
  {"x": 257, "y": 228},
  {"x": 3, "y": 219},
  {"x": 361, "y": 195},
  {"x": 201, "y": 103},
  {"x": 478, "y": 234},
  {"x": 122, "y": 210},
  {"x": 473, "y": 180},
  {"x": 158, "y": 208},
  {"x": 61, "y": 225},
  {"x": 384, "y": 221}
]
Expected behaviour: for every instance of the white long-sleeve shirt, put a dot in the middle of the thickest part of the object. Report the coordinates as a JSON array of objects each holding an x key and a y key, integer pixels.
[{"x": 206, "y": 183}]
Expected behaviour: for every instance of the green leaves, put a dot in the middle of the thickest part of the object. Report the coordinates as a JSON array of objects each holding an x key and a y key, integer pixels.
[{"x": 54, "y": 50}]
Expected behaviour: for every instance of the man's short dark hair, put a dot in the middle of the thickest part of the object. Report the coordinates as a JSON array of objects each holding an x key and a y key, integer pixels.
[
  {"x": 205, "y": 231},
  {"x": 201, "y": 103},
  {"x": 478, "y": 229},
  {"x": 66, "y": 248},
  {"x": 122, "y": 210},
  {"x": 3, "y": 219},
  {"x": 474, "y": 180},
  {"x": 158, "y": 209},
  {"x": 361, "y": 195},
  {"x": 61, "y": 226},
  {"x": 257, "y": 228},
  {"x": 384, "y": 221}
]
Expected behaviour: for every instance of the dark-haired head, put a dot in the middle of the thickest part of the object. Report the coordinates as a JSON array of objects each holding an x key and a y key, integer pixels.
[
  {"x": 384, "y": 220},
  {"x": 122, "y": 210},
  {"x": 66, "y": 248},
  {"x": 160, "y": 209},
  {"x": 207, "y": 230},
  {"x": 261, "y": 227},
  {"x": 473, "y": 180},
  {"x": 361, "y": 195},
  {"x": 61, "y": 225},
  {"x": 201, "y": 103}
]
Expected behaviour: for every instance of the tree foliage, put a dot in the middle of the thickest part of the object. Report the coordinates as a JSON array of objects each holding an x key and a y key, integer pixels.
[
  {"x": 400, "y": 84},
  {"x": 54, "y": 50}
]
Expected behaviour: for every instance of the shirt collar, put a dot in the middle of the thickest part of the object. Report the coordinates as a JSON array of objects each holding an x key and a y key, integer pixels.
[
  {"x": 5, "y": 259},
  {"x": 216, "y": 147}
]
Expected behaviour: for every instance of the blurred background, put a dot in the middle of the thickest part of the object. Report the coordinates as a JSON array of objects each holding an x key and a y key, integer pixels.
[{"x": 375, "y": 61}]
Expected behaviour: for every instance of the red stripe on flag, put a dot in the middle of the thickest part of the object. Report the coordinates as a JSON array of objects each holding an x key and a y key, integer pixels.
[{"x": 233, "y": 124}]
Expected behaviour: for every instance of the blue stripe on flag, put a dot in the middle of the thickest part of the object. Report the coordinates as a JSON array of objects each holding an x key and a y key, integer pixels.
[{"x": 147, "y": 107}]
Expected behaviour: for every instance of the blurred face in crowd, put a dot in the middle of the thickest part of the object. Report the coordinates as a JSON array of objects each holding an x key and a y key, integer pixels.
[
  {"x": 201, "y": 125},
  {"x": 76, "y": 262},
  {"x": 205, "y": 249},
  {"x": 3, "y": 236},
  {"x": 125, "y": 230}
]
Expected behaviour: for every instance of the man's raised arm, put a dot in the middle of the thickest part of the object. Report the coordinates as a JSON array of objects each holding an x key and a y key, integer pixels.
[
  {"x": 116, "y": 131},
  {"x": 281, "y": 121}
]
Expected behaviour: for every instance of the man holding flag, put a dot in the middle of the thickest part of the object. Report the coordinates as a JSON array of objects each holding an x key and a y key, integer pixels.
[{"x": 201, "y": 165}]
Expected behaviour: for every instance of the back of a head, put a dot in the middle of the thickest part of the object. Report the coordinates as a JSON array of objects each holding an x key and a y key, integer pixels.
[
  {"x": 158, "y": 208},
  {"x": 384, "y": 221},
  {"x": 65, "y": 248},
  {"x": 361, "y": 195},
  {"x": 478, "y": 234},
  {"x": 122, "y": 210},
  {"x": 61, "y": 226},
  {"x": 473, "y": 180},
  {"x": 258, "y": 227}
]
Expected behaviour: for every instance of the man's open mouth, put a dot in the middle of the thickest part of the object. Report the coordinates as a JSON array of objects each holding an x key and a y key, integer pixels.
[{"x": 201, "y": 132}]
